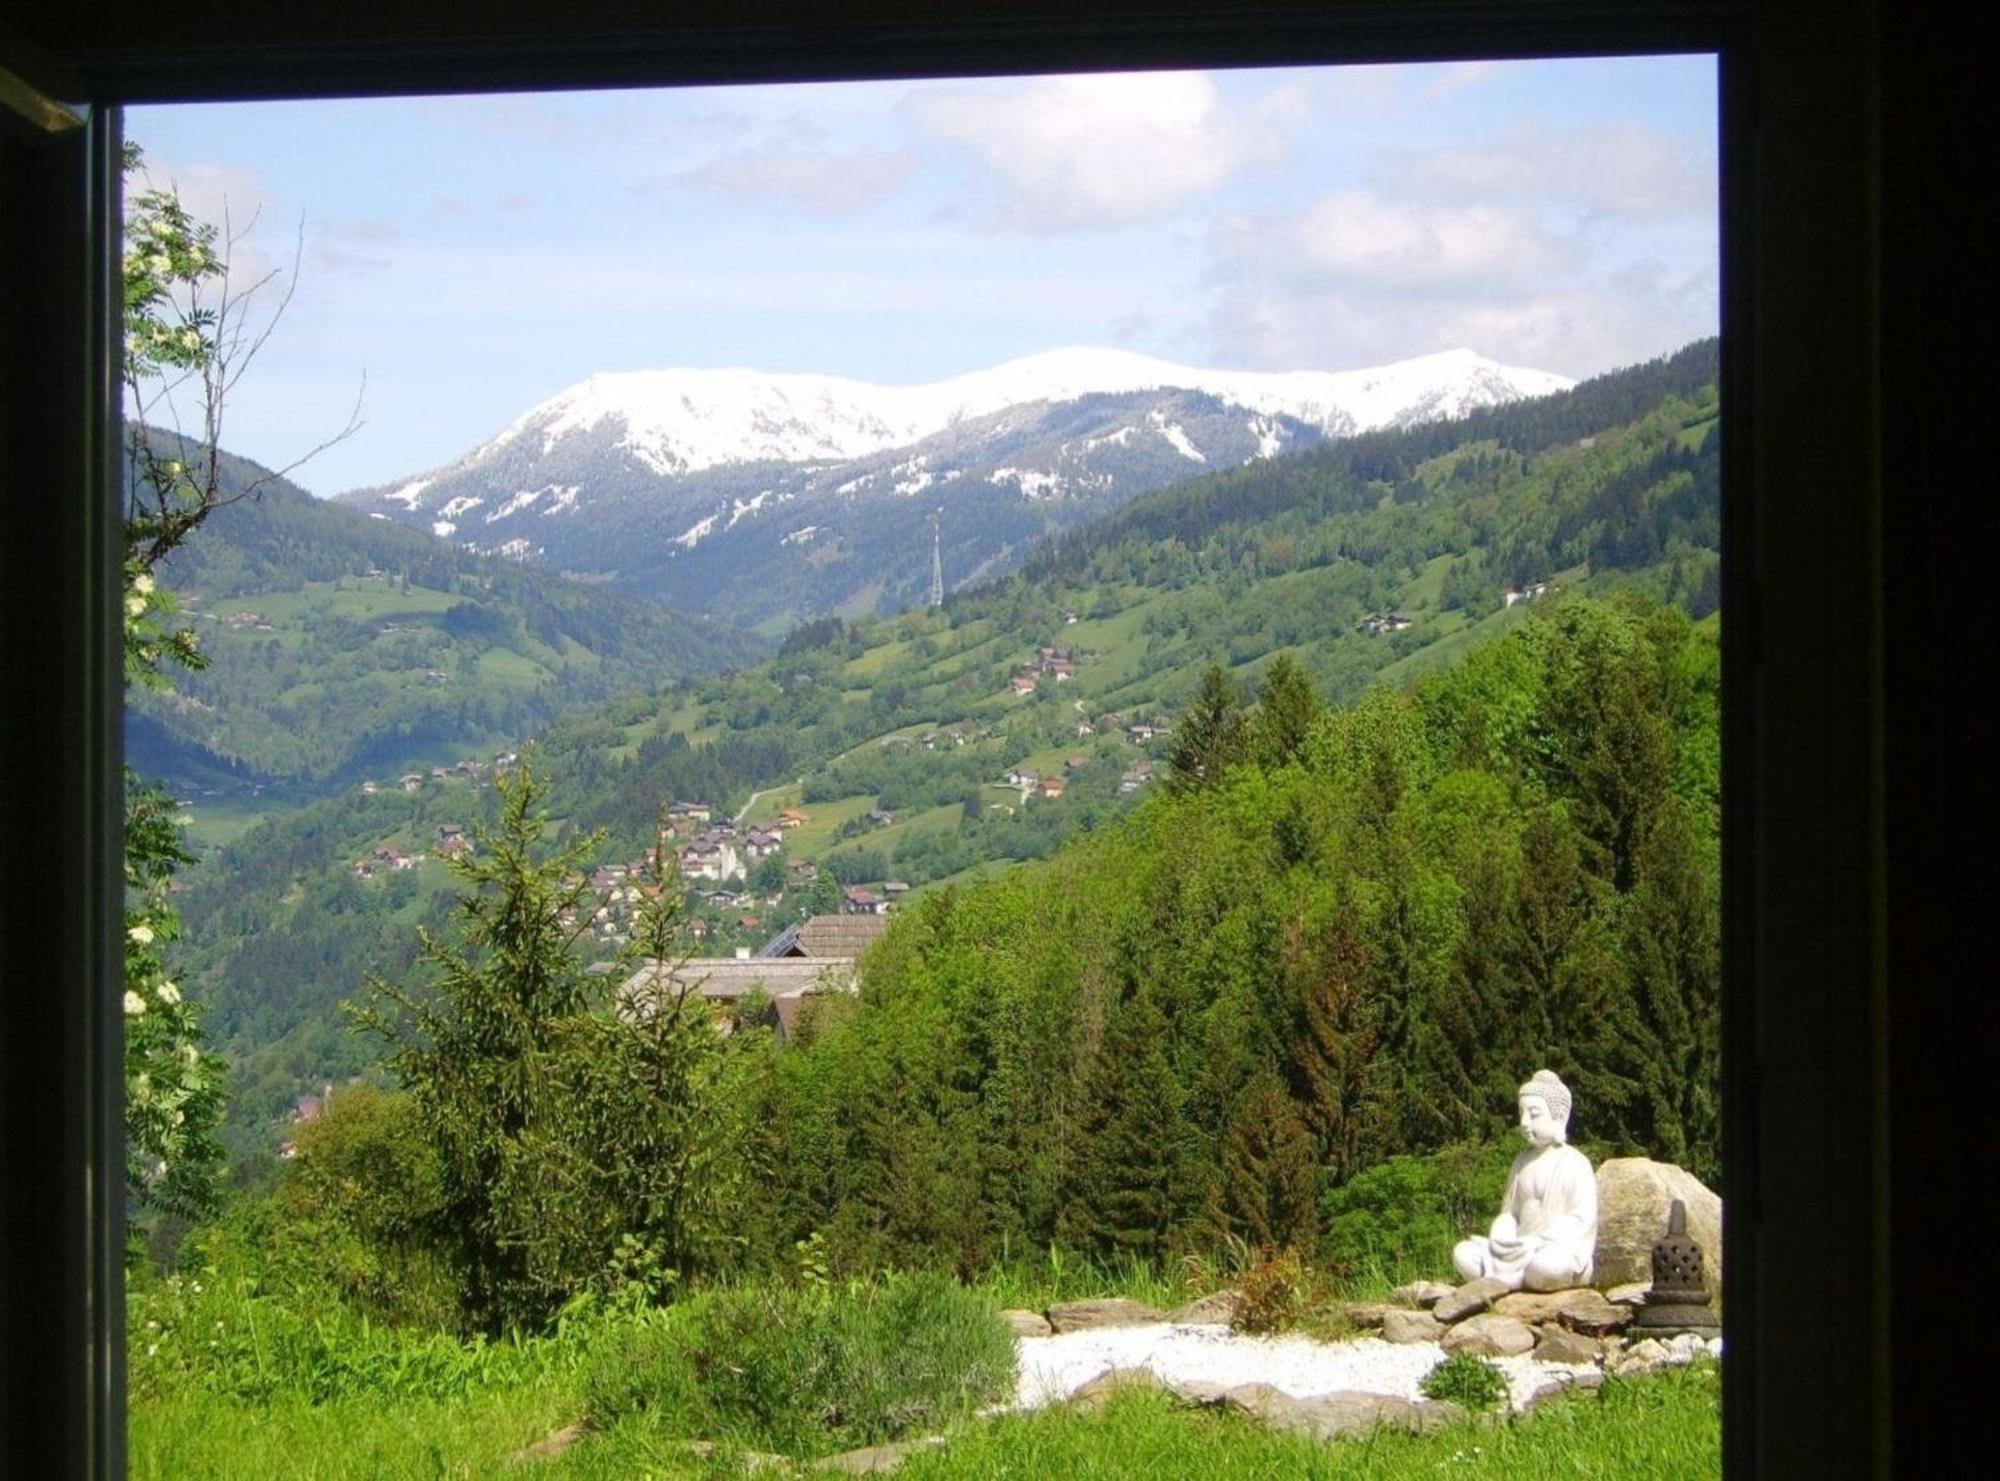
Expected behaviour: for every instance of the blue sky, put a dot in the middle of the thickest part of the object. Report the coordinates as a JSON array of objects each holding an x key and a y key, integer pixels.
[{"x": 471, "y": 256}]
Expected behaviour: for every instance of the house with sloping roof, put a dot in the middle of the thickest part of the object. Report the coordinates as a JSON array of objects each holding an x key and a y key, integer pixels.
[{"x": 835, "y": 937}]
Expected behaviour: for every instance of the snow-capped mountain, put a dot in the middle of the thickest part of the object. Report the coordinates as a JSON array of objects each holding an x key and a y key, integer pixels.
[{"x": 697, "y": 485}]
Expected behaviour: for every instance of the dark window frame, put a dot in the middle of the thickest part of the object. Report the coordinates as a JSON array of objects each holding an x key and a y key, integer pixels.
[{"x": 1811, "y": 815}]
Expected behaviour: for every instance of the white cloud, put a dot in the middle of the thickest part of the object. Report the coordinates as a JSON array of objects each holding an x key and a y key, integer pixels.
[
  {"x": 1106, "y": 151},
  {"x": 1617, "y": 169},
  {"x": 820, "y": 180},
  {"x": 1362, "y": 239}
]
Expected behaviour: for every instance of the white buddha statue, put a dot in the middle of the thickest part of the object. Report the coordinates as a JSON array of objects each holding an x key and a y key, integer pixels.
[{"x": 1546, "y": 1235}]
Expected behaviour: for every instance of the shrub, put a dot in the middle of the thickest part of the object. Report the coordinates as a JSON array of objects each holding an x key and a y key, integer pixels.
[
  {"x": 1401, "y": 1217},
  {"x": 1470, "y": 1382},
  {"x": 807, "y": 1370},
  {"x": 1275, "y": 1294}
]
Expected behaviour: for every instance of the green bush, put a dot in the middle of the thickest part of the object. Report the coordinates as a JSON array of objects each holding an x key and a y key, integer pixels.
[
  {"x": 1469, "y": 1382},
  {"x": 807, "y": 1370},
  {"x": 1401, "y": 1217}
]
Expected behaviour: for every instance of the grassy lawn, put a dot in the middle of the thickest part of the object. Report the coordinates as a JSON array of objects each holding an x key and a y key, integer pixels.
[
  {"x": 812, "y": 839},
  {"x": 1666, "y": 1425}
]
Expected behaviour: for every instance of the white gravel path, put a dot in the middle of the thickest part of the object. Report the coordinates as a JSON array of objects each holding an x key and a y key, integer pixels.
[{"x": 1052, "y": 1368}]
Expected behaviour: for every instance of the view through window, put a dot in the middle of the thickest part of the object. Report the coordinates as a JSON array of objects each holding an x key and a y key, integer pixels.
[{"x": 799, "y": 716}]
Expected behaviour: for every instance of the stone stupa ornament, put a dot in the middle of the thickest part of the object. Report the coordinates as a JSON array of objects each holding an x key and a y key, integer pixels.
[{"x": 1678, "y": 1301}]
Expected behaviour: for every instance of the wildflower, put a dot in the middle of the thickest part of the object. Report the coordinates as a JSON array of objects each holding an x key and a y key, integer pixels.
[
  {"x": 134, "y": 1005},
  {"x": 168, "y": 993},
  {"x": 160, "y": 263},
  {"x": 143, "y": 584},
  {"x": 135, "y": 606},
  {"x": 141, "y": 933},
  {"x": 190, "y": 340}
]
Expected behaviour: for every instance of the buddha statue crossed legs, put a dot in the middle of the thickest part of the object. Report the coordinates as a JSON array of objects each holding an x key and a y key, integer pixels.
[{"x": 1546, "y": 1234}]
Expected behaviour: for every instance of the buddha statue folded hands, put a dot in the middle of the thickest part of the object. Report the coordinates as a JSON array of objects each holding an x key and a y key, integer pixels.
[{"x": 1546, "y": 1234}]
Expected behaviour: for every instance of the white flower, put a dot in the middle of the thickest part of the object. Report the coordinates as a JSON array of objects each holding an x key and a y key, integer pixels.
[
  {"x": 134, "y": 1005},
  {"x": 168, "y": 993},
  {"x": 143, "y": 584},
  {"x": 141, "y": 933},
  {"x": 152, "y": 1348},
  {"x": 191, "y": 1054},
  {"x": 135, "y": 606},
  {"x": 190, "y": 339},
  {"x": 159, "y": 262}
]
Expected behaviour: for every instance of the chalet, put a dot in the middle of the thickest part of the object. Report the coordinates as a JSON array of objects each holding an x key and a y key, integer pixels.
[
  {"x": 438, "y": 773},
  {"x": 1141, "y": 735},
  {"x": 364, "y": 869},
  {"x": 802, "y": 871},
  {"x": 724, "y": 982},
  {"x": 828, "y": 937},
  {"x": 1049, "y": 786},
  {"x": 881, "y": 817},
  {"x": 1023, "y": 778},
  {"x": 368, "y": 789},
  {"x": 863, "y": 902},
  {"x": 895, "y": 888},
  {"x": 1022, "y": 684},
  {"x": 791, "y": 817},
  {"x": 409, "y": 781},
  {"x": 448, "y": 831},
  {"x": 1062, "y": 669},
  {"x": 1378, "y": 623},
  {"x": 1533, "y": 591},
  {"x": 1075, "y": 763},
  {"x": 601, "y": 878},
  {"x": 453, "y": 846},
  {"x": 760, "y": 844},
  {"x": 694, "y": 812},
  {"x": 710, "y": 860}
]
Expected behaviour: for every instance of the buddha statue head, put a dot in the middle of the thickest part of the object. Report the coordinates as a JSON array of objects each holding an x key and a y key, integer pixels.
[{"x": 1544, "y": 1102}]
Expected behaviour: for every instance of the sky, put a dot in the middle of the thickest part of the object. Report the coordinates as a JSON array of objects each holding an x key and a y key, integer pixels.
[{"x": 455, "y": 260}]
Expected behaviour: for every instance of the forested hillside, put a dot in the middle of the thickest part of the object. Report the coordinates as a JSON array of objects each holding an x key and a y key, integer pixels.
[
  {"x": 1365, "y": 563},
  {"x": 1342, "y": 946},
  {"x": 342, "y": 646}
]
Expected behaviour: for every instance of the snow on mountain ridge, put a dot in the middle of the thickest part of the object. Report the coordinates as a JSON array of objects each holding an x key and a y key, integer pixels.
[{"x": 684, "y": 420}]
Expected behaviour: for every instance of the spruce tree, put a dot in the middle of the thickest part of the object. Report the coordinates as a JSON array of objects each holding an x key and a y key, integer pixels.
[
  {"x": 1210, "y": 736},
  {"x": 474, "y": 1045},
  {"x": 1286, "y": 709},
  {"x": 1270, "y": 1179}
]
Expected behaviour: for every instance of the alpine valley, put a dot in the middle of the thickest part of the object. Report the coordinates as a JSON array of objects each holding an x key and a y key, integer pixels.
[{"x": 763, "y": 500}]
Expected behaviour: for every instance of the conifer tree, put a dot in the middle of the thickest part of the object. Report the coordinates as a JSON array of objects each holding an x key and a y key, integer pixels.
[
  {"x": 1210, "y": 736},
  {"x": 1125, "y": 1184},
  {"x": 1333, "y": 1051},
  {"x": 1286, "y": 709},
  {"x": 1270, "y": 1180},
  {"x": 474, "y": 1045}
]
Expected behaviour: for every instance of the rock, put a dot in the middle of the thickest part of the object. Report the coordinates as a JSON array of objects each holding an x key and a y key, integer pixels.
[
  {"x": 1634, "y": 1195},
  {"x": 1490, "y": 1336},
  {"x": 1219, "y": 1307},
  {"x": 1371, "y": 1313},
  {"x": 1642, "y": 1357},
  {"x": 1411, "y": 1326},
  {"x": 1559, "y": 1345},
  {"x": 875, "y": 1460},
  {"x": 1594, "y": 1316},
  {"x": 1347, "y": 1413},
  {"x": 1472, "y": 1297},
  {"x": 1534, "y": 1306},
  {"x": 1632, "y": 1293},
  {"x": 1201, "y": 1393},
  {"x": 1098, "y": 1391},
  {"x": 1424, "y": 1293},
  {"x": 1562, "y": 1383},
  {"x": 1579, "y": 1308},
  {"x": 551, "y": 1447},
  {"x": 1111, "y": 1311},
  {"x": 1027, "y": 1323},
  {"x": 1259, "y": 1401}
]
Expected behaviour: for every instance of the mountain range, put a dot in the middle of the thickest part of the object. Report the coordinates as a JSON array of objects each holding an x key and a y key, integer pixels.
[{"x": 762, "y": 499}]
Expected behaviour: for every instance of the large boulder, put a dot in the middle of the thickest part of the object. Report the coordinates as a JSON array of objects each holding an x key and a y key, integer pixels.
[{"x": 1634, "y": 1196}]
